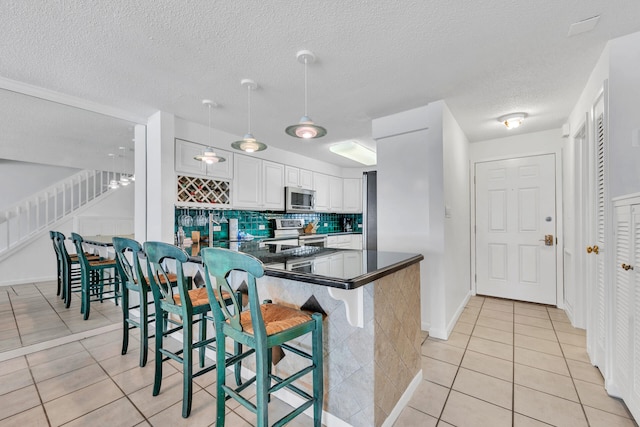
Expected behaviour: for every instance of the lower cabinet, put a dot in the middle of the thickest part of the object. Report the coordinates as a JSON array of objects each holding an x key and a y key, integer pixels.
[
  {"x": 625, "y": 342},
  {"x": 345, "y": 241}
]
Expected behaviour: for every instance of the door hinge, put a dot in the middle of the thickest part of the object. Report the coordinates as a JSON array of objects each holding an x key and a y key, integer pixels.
[{"x": 475, "y": 278}]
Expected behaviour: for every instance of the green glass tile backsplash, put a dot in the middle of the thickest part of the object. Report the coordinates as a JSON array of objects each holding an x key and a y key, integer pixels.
[{"x": 251, "y": 221}]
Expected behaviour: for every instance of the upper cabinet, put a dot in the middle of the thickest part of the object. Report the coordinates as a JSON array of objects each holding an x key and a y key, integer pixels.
[
  {"x": 296, "y": 177},
  {"x": 321, "y": 185},
  {"x": 186, "y": 164},
  {"x": 352, "y": 195},
  {"x": 334, "y": 194},
  {"x": 258, "y": 184}
]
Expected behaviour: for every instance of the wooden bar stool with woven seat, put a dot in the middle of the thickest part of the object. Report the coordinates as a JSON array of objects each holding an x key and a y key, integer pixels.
[
  {"x": 70, "y": 274},
  {"x": 94, "y": 279},
  {"x": 131, "y": 273},
  {"x": 261, "y": 328},
  {"x": 191, "y": 305}
]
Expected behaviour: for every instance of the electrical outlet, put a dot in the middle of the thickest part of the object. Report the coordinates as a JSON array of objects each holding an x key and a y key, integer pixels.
[
  {"x": 217, "y": 228},
  {"x": 359, "y": 225},
  {"x": 261, "y": 227},
  {"x": 326, "y": 224}
]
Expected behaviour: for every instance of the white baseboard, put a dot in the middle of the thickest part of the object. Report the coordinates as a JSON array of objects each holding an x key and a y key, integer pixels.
[
  {"x": 443, "y": 333},
  {"x": 29, "y": 280},
  {"x": 404, "y": 400}
]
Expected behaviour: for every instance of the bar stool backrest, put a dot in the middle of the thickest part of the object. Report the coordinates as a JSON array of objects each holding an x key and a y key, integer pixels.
[
  {"x": 219, "y": 263},
  {"x": 130, "y": 271},
  {"x": 157, "y": 254}
]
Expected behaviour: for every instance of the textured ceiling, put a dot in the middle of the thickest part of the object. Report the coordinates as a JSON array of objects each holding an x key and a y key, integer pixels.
[{"x": 375, "y": 57}]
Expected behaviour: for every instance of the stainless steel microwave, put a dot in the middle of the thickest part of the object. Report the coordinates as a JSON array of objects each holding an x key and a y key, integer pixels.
[{"x": 300, "y": 200}]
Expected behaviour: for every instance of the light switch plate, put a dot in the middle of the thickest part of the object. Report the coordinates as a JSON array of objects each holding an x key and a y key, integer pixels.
[{"x": 217, "y": 228}]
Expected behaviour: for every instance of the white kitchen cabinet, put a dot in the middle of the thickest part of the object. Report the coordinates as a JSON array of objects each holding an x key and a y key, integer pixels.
[
  {"x": 258, "y": 184},
  {"x": 272, "y": 185},
  {"x": 352, "y": 195},
  {"x": 186, "y": 164},
  {"x": 625, "y": 342},
  {"x": 336, "y": 194},
  {"x": 296, "y": 177},
  {"x": 356, "y": 241},
  {"x": 321, "y": 186}
]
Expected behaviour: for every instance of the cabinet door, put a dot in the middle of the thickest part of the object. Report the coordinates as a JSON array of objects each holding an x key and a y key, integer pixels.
[
  {"x": 273, "y": 185},
  {"x": 634, "y": 399},
  {"x": 247, "y": 185},
  {"x": 321, "y": 185},
  {"x": 352, "y": 195},
  {"x": 306, "y": 179},
  {"x": 291, "y": 176},
  {"x": 222, "y": 169},
  {"x": 356, "y": 241},
  {"x": 185, "y": 153},
  {"x": 335, "y": 194}
]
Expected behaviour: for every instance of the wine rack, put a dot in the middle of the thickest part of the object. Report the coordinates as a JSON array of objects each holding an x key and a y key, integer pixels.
[{"x": 203, "y": 191}]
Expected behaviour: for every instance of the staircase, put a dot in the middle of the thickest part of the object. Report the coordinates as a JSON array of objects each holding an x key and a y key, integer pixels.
[{"x": 38, "y": 213}]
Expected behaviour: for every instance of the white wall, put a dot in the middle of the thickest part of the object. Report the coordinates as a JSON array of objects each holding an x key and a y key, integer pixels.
[
  {"x": 457, "y": 222},
  {"x": 624, "y": 115},
  {"x": 411, "y": 197},
  {"x": 575, "y": 239},
  {"x": 36, "y": 261},
  {"x": 27, "y": 179}
]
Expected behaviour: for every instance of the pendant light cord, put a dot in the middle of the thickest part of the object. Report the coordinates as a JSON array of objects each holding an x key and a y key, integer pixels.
[
  {"x": 305, "y": 87},
  {"x": 209, "y": 136},
  {"x": 249, "y": 107}
]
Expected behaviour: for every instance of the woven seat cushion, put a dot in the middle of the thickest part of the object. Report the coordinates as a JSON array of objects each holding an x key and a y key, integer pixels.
[
  {"x": 198, "y": 297},
  {"x": 90, "y": 257},
  {"x": 277, "y": 318},
  {"x": 102, "y": 262},
  {"x": 173, "y": 278}
]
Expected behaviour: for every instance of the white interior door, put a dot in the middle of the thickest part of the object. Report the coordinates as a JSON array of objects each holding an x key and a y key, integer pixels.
[
  {"x": 515, "y": 210},
  {"x": 597, "y": 322}
]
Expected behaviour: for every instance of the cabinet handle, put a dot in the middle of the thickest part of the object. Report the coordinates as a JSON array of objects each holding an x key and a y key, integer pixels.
[
  {"x": 595, "y": 249},
  {"x": 627, "y": 267}
]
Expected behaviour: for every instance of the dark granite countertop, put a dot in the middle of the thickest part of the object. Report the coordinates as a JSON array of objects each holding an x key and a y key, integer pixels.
[{"x": 338, "y": 268}]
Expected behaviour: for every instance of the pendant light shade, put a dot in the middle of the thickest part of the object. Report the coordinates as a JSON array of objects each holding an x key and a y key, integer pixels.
[
  {"x": 249, "y": 143},
  {"x": 209, "y": 156},
  {"x": 305, "y": 128}
]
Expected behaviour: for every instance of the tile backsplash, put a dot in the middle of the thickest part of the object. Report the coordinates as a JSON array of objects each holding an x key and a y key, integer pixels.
[{"x": 251, "y": 221}]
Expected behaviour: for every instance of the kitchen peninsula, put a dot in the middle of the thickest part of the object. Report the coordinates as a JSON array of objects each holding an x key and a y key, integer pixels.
[{"x": 372, "y": 326}]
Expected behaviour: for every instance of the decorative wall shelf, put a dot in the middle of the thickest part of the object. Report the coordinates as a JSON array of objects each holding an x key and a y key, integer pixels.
[{"x": 203, "y": 191}]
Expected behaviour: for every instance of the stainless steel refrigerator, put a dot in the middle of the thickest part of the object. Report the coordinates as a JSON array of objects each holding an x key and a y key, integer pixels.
[{"x": 369, "y": 211}]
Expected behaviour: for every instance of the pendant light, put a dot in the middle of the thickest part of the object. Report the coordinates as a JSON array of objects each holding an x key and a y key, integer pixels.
[
  {"x": 249, "y": 144},
  {"x": 113, "y": 184},
  {"x": 209, "y": 156},
  {"x": 306, "y": 129},
  {"x": 124, "y": 178}
]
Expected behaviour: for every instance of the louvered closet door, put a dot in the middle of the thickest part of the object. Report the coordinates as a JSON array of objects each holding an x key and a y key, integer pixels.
[
  {"x": 624, "y": 303},
  {"x": 634, "y": 277},
  {"x": 597, "y": 332}
]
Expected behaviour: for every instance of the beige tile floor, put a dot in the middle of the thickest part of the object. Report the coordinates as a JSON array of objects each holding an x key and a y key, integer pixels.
[
  {"x": 511, "y": 364},
  {"x": 62, "y": 370},
  {"x": 505, "y": 363}
]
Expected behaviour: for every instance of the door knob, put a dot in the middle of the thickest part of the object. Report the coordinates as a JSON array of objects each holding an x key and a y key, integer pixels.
[
  {"x": 548, "y": 240},
  {"x": 627, "y": 267}
]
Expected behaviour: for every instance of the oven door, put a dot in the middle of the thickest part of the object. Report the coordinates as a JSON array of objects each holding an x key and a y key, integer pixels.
[{"x": 319, "y": 241}]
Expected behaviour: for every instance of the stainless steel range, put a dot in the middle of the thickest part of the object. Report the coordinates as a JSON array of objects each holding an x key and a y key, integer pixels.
[{"x": 293, "y": 228}]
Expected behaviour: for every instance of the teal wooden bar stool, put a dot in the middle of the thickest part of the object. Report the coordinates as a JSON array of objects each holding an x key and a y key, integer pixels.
[
  {"x": 261, "y": 328},
  {"x": 59, "y": 265},
  {"x": 134, "y": 280},
  {"x": 190, "y": 304},
  {"x": 94, "y": 279},
  {"x": 70, "y": 274}
]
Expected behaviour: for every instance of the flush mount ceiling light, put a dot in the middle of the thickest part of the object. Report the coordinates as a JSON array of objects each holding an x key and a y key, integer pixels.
[
  {"x": 209, "y": 156},
  {"x": 512, "y": 121},
  {"x": 249, "y": 144},
  {"x": 354, "y": 151},
  {"x": 306, "y": 129}
]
